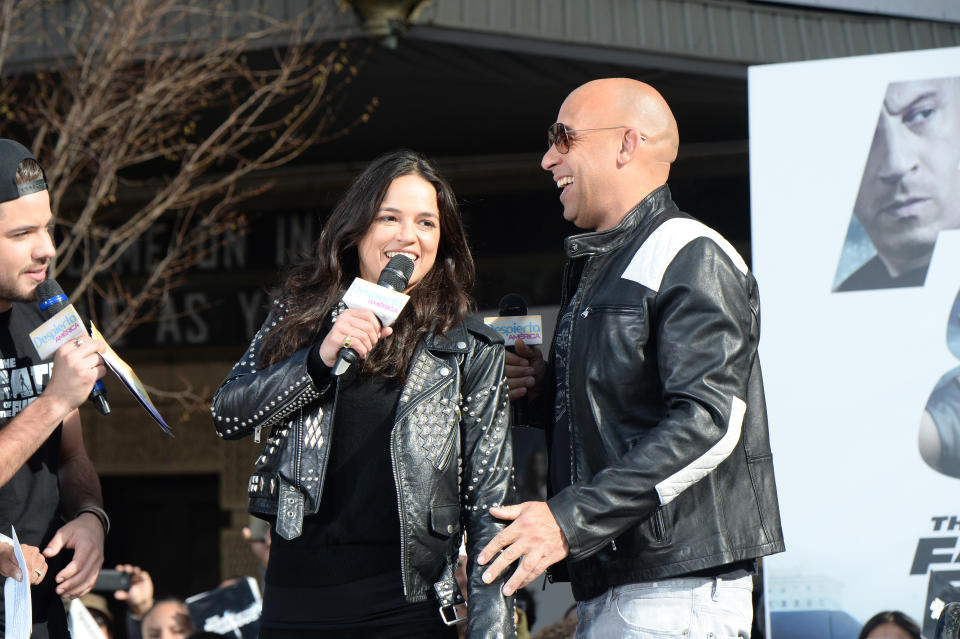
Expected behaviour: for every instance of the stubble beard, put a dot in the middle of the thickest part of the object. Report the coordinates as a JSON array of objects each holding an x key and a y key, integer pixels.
[{"x": 11, "y": 293}]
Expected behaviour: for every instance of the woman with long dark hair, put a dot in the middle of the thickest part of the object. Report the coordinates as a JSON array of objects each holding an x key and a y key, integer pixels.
[{"x": 369, "y": 479}]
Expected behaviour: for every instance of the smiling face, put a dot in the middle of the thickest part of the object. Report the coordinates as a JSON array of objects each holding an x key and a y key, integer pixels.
[
  {"x": 911, "y": 184},
  {"x": 583, "y": 172},
  {"x": 26, "y": 247},
  {"x": 408, "y": 222}
]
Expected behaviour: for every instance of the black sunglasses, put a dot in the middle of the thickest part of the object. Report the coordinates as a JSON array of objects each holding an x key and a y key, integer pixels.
[{"x": 559, "y": 135}]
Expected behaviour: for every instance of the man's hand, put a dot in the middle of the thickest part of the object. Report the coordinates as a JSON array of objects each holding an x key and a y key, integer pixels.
[
  {"x": 533, "y": 536},
  {"x": 139, "y": 597},
  {"x": 524, "y": 371},
  {"x": 32, "y": 557},
  {"x": 85, "y": 536},
  {"x": 75, "y": 370}
]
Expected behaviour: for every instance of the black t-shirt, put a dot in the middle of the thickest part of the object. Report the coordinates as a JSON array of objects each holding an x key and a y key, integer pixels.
[
  {"x": 560, "y": 457},
  {"x": 30, "y": 500},
  {"x": 874, "y": 275},
  {"x": 343, "y": 572}
]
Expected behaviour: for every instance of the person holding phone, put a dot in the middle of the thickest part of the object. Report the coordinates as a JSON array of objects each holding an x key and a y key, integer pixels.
[
  {"x": 367, "y": 478},
  {"x": 133, "y": 586}
]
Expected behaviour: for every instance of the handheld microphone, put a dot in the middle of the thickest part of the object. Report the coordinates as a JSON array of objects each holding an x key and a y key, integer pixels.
[
  {"x": 51, "y": 299},
  {"x": 393, "y": 277},
  {"x": 512, "y": 305}
]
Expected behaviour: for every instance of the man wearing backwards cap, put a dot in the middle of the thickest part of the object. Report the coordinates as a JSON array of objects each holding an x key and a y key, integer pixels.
[{"x": 45, "y": 474}]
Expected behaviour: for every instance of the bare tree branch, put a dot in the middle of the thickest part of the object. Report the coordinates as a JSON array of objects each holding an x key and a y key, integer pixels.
[{"x": 190, "y": 91}]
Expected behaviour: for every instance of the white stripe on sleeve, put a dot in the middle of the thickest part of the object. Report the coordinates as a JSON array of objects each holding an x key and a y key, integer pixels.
[{"x": 672, "y": 486}]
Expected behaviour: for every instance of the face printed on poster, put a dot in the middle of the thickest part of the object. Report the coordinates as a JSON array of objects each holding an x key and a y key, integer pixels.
[
  {"x": 855, "y": 207},
  {"x": 910, "y": 188}
]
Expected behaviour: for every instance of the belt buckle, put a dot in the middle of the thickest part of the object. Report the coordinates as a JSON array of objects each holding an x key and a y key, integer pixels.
[{"x": 449, "y": 615}]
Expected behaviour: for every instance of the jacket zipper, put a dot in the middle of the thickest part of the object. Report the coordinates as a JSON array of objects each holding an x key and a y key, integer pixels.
[
  {"x": 403, "y": 526},
  {"x": 299, "y": 435}
]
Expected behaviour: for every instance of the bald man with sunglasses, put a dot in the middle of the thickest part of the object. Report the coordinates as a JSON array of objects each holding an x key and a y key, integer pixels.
[{"x": 662, "y": 494}]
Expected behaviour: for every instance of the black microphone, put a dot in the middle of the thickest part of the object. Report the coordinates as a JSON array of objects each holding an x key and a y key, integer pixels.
[
  {"x": 394, "y": 277},
  {"x": 51, "y": 299},
  {"x": 511, "y": 305}
]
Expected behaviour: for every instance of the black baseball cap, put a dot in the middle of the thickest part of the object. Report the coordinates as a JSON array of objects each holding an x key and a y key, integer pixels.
[{"x": 11, "y": 155}]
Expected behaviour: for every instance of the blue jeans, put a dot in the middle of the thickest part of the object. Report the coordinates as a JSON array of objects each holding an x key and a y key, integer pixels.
[{"x": 682, "y": 608}]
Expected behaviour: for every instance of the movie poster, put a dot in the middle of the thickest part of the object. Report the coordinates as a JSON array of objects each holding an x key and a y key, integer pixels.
[{"x": 855, "y": 180}]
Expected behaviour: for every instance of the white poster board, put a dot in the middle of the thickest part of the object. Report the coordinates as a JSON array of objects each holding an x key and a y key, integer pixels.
[
  {"x": 869, "y": 524},
  {"x": 947, "y": 10}
]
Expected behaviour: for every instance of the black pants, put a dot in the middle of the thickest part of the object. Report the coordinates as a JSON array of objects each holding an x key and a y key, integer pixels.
[{"x": 399, "y": 631}]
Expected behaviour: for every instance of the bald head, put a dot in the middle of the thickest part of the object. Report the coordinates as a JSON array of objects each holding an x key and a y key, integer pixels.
[
  {"x": 625, "y": 165},
  {"x": 636, "y": 104}
]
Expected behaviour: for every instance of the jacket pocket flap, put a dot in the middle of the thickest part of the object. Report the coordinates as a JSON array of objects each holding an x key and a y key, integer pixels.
[{"x": 445, "y": 520}]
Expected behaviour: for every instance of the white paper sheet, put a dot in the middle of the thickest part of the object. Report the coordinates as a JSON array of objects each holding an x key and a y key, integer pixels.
[
  {"x": 130, "y": 380},
  {"x": 16, "y": 597},
  {"x": 81, "y": 623}
]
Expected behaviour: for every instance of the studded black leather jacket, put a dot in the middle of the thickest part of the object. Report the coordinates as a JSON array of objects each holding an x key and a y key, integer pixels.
[
  {"x": 669, "y": 455},
  {"x": 450, "y": 446}
]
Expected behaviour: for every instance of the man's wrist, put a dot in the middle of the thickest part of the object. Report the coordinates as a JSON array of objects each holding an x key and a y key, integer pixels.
[
  {"x": 52, "y": 408},
  {"x": 97, "y": 512}
]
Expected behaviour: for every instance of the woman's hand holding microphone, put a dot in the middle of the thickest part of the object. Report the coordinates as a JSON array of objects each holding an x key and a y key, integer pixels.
[{"x": 356, "y": 329}]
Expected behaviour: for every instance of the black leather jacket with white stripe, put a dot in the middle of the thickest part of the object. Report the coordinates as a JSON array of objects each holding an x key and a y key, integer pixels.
[
  {"x": 450, "y": 447},
  {"x": 669, "y": 449}
]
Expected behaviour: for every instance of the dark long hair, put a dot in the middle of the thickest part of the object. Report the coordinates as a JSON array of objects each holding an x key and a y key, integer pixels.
[
  {"x": 313, "y": 287},
  {"x": 895, "y": 617}
]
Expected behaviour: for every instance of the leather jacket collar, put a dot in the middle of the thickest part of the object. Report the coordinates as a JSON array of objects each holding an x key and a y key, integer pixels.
[
  {"x": 453, "y": 341},
  {"x": 599, "y": 242}
]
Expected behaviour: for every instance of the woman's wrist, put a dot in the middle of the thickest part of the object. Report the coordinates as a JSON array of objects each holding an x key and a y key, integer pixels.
[{"x": 316, "y": 367}]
